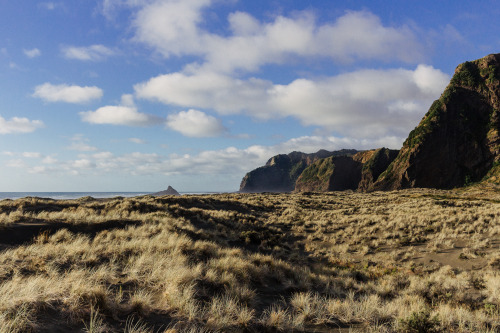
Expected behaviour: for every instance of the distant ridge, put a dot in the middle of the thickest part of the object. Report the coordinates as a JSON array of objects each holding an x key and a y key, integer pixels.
[
  {"x": 348, "y": 172},
  {"x": 169, "y": 191},
  {"x": 281, "y": 171}
]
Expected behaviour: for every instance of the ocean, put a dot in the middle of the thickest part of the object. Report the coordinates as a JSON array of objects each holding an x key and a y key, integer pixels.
[
  {"x": 68, "y": 195},
  {"x": 76, "y": 195}
]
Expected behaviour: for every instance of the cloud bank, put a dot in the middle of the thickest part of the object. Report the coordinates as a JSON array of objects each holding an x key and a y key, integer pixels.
[
  {"x": 368, "y": 103},
  {"x": 19, "y": 125},
  {"x": 230, "y": 161},
  {"x": 66, "y": 93},
  {"x": 175, "y": 28}
]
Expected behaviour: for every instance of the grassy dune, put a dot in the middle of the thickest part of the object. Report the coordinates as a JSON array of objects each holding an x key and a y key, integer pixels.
[{"x": 406, "y": 261}]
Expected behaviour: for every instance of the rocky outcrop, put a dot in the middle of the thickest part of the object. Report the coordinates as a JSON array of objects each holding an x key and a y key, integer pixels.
[
  {"x": 280, "y": 172},
  {"x": 339, "y": 173},
  {"x": 169, "y": 191},
  {"x": 457, "y": 142}
]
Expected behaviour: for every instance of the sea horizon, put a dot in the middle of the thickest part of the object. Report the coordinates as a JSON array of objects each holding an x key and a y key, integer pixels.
[{"x": 95, "y": 194}]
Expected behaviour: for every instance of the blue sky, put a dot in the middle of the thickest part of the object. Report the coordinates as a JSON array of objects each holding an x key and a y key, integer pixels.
[{"x": 136, "y": 95}]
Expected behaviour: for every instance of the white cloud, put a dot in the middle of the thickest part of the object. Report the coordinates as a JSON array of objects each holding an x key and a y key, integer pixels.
[
  {"x": 19, "y": 125},
  {"x": 230, "y": 161},
  {"x": 66, "y": 93},
  {"x": 171, "y": 26},
  {"x": 95, "y": 52},
  {"x": 116, "y": 115},
  {"x": 430, "y": 80},
  {"x": 33, "y": 53},
  {"x": 364, "y": 103},
  {"x": 175, "y": 28},
  {"x": 125, "y": 114},
  {"x": 194, "y": 123},
  {"x": 206, "y": 90}
]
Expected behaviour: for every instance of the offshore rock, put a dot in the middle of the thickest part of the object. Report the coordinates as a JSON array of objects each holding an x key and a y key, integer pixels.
[{"x": 169, "y": 191}]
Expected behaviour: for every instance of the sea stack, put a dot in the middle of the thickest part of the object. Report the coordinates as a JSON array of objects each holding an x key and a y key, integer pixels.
[{"x": 169, "y": 191}]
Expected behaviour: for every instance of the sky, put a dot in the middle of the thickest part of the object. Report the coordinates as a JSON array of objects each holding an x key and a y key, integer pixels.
[{"x": 136, "y": 95}]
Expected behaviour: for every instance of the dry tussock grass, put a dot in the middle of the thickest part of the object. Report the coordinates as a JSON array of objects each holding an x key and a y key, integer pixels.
[{"x": 381, "y": 262}]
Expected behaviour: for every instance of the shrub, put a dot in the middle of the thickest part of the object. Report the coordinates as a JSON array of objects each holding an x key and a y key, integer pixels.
[{"x": 420, "y": 322}]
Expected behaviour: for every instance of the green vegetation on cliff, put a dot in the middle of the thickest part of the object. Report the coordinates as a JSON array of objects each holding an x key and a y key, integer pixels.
[
  {"x": 316, "y": 177},
  {"x": 457, "y": 141}
]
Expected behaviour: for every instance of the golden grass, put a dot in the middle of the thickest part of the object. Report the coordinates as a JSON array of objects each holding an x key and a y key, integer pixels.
[{"x": 380, "y": 262}]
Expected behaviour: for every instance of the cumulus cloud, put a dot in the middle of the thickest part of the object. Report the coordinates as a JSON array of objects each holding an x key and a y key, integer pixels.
[
  {"x": 172, "y": 26},
  {"x": 19, "y": 125},
  {"x": 175, "y": 28},
  {"x": 95, "y": 52},
  {"x": 368, "y": 103},
  {"x": 33, "y": 53},
  {"x": 125, "y": 114},
  {"x": 66, "y": 93},
  {"x": 194, "y": 123}
]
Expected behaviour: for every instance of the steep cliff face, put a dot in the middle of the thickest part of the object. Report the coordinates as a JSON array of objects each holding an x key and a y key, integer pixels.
[
  {"x": 330, "y": 174},
  {"x": 281, "y": 171},
  {"x": 375, "y": 162},
  {"x": 458, "y": 140},
  {"x": 355, "y": 172}
]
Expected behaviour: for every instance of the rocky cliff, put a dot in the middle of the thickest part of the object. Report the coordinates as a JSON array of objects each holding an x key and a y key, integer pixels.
[
  {"x": 280, "y": 172},
  {"x": 338, "y": 173},
  {"x": 457, "y": 142},
  {"x": 375, "y": 162}
]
